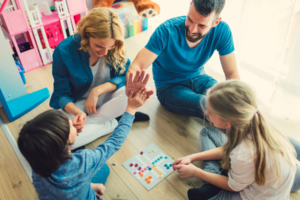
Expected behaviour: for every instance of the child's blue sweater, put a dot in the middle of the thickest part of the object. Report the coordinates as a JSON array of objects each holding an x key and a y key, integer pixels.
[{"x": 73, "y": 179}]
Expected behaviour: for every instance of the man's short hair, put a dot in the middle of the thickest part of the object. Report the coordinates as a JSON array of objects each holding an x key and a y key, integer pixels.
[
  {"x": 206, "y": 7},
  {"x": 43, "y": 141}
]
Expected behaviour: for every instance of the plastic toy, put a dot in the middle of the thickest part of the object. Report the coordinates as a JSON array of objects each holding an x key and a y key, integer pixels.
[
  {"x": 145, "y": 8},
  {"x": 15, "y": 24},
  {"x": 133, "y": 22}
]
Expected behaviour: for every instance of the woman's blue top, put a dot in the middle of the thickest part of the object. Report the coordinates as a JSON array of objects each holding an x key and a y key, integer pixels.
[{"x": 73, "y": 75}]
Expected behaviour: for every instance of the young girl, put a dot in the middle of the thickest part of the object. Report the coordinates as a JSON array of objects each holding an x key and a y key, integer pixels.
[
  {"x": 46, "y": 142},
  {"x": 89, "y": 71},
  {"x": 261, "y": 161}
]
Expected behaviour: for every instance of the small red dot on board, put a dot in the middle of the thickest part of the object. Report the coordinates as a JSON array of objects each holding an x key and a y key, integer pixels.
[
  {"x": 141, "y": 153},
  {"x": 136, "y": 165},
  {"x": 148, "y": 182},
  {"x": 131, "y": 165}
]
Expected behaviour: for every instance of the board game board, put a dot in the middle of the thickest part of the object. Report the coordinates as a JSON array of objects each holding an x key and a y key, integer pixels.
[{"x": 150, "y": 166}]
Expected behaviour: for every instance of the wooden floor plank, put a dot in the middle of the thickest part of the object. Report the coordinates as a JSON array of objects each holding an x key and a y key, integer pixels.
[{"x": 14, "y": 182}]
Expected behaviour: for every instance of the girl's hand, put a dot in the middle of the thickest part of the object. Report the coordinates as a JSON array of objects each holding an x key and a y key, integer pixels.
[
  {"x": 99, "y": 189},
  {"x": 186, "y": 171},
  {"x": 91, "y": 103},
  {"x": 137, "y": 100},
  {"x": 79, "y": 121},
  {"x": 184, "y": 161}
]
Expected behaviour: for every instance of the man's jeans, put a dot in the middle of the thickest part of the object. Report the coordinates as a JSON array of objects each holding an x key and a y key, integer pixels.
[{"x": 184, "y": 97}]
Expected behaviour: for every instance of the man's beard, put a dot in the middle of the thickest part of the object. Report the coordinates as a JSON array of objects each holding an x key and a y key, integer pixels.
[{"x": 190, "y": 39}]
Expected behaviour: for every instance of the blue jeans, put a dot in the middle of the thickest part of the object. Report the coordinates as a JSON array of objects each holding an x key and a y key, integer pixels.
[
  {"x": 184, "y": 97},
  {"x": 210, "y": 138},
  {"x": 101, "y": 175}
]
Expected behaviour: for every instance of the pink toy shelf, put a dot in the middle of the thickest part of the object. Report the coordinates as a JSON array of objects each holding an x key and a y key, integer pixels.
[
  {"x": 14, "y": 22},
  {"x": 35, "y": 35},
  {"x": 76, "y": 8}
]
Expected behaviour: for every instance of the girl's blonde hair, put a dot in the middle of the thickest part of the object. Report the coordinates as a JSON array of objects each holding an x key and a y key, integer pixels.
[
  {"x": 103, "y": 23},
  {"x": 235, "y": 102}
]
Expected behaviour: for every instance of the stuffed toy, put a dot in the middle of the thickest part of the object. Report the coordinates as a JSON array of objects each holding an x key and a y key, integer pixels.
[{"x": 145, "y": 8}]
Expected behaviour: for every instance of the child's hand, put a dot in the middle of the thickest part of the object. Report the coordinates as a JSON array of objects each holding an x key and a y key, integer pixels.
[
  {"x": 186, "y": 171},
  {"x": 137, "y": 100},
  {"x": 99, "y": 189},
  {"x": 79, "y": 121},
  {"x": 184, "y": 161}
]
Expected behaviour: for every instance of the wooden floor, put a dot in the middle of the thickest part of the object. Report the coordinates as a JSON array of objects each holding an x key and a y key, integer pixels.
[{"x": 176, "y": 135}]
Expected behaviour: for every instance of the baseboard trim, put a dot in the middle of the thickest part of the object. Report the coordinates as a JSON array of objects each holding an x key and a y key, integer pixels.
[{"x": 14, "y": 145}]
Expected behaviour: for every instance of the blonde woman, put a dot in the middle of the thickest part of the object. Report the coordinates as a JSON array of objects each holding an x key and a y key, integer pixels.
[
  {"x": 261, "y": 162},
  {"x": 89, "y": 71}
]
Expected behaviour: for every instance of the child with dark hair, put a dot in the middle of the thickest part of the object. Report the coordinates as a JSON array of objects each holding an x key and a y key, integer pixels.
[{"x": 46, "y": 142}]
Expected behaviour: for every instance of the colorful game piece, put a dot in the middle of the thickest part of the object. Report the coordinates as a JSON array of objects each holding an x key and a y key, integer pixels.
[
  {"x": 139, "y": 168},
  {"x": 170, "y": 165},
  {"x": 131, "y": 165},
  {"x": 136, "y": 165},
  {"x": 134, "y": 172},
  {"x": 141, "y": 153},
  {"x": 114, "y": 163}
]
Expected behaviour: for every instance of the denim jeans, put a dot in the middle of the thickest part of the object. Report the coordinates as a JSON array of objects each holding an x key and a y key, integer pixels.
[
  {"x": 210, "y": 138},
  {"x": 184, "y": 97},
  {"x": 101, "y": 175}
]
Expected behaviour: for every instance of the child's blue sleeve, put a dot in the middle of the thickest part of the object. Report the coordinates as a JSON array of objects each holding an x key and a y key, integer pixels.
[{"x": 99, "y": 155}]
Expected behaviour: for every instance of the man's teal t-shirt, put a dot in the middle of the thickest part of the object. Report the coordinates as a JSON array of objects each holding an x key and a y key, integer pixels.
[{"x": 176, "y": 61}]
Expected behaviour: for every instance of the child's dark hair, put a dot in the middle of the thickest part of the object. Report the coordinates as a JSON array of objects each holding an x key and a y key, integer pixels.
[{"x": 43, "y": 141}]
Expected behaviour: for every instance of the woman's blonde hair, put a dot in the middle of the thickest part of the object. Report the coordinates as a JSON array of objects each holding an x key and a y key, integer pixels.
[
  {"x": 103, "y": 23},
  {"x": 235, "y": 102}
]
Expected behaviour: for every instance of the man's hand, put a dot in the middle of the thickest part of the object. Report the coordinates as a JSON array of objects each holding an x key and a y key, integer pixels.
[
  {"x": 139, "y": 81},
  {"x": 79, "y": 121},
  {"x": 186, "y": 171},
  {"x": 99, "y": 189}
]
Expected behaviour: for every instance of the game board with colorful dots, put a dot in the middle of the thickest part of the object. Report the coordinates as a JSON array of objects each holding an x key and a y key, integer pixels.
[{"x": 150, "y": 166}]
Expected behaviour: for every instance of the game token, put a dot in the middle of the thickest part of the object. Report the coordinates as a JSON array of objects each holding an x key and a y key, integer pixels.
[
  {"x": 131, "y": 165},
  {"x": 139, "y": 168},
  {"x": 114, "y": 163},
  {"x": 141, "y": 153},
  {"x": 136, "y": 165}
]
